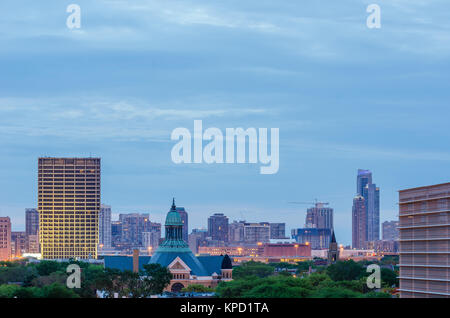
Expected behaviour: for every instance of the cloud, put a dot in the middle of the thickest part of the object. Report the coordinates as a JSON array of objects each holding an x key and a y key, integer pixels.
[{"x": 104, "y": 118}]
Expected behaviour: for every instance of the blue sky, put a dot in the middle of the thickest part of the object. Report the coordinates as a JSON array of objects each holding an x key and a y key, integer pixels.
[{"x": 343, "y": 96}]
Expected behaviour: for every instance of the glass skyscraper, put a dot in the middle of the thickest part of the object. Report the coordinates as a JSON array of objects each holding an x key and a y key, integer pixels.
[{"x": 371, "y": 194}]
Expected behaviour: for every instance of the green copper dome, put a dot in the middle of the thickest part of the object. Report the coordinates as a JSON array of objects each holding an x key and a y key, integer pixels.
[{"x": 173, "y": 218}]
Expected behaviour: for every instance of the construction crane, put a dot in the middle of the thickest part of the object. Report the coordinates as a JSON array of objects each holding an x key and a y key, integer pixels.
[{"x": 310, "y": 203}]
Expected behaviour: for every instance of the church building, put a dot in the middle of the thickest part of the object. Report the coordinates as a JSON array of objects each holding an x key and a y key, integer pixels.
[{"x": 175, "y": 254}]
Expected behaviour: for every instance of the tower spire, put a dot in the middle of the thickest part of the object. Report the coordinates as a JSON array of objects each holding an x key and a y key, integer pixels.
[{"x": 173, "y": 204}]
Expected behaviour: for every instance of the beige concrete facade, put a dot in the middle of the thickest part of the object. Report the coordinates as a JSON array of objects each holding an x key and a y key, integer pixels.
[
  {"x": 68, "y": 205},
  {"x": 424, "y": 226}
]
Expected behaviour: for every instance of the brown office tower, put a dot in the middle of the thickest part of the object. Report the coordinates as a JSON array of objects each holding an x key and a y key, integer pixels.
[
  {"x": 5, "y": 239},
  {"x": 424, "y": 227},
  {"x": 68, "y": 204},
  {"x": 359, "y": 225}
]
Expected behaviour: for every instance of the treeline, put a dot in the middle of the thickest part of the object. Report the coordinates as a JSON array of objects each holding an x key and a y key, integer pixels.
[
  {"x": 344, "y": 279},
  {"x": 47, "y": 279}
]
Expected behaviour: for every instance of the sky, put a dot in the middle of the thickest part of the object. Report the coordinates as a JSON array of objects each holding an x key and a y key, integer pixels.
[{"x": 342, "y": 95}]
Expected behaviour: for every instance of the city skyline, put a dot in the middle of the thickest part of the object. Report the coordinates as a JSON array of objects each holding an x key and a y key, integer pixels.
[
  {"x": 201, "y": 221},
  {"x": 343, "y": 96}
]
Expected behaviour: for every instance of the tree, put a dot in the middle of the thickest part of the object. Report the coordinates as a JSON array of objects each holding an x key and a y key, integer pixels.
[
  {"x": 8, "y": 291},
  {"x": 345, "y": 270},
  {"x": 197, "y": 288},
  {"x": 45, "y": 268},
  {"x": 253, "y": 268},
  {"x": 57, "y": 290},
  {"x": 389, "y": 277},
  {"x": 156, "y": 278}
]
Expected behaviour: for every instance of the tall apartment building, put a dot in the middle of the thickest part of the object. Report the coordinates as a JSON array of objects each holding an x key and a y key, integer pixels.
[
  {"x": 359, "y": 226},
  {"x": 424, "y": 225},
  {"x": 104, "y": 226},
  {"x": 5, "y": 238},
  {"x": 18, "y": 243},
  {"x": 390, "y": 231},
  {"x": 184, "y": 218},
  {"x": 236, "y": 232},
  {"x": 133, "y": 225},
  {"x": 31, "y": 221},
  {"x": 319, "y": 217},
  {"x": 218, "y": 227},
  {"x": 277, "y": 230},
  {"x": 256, "y": 233},
  {"x": 116, "y": 234},
  {"x": 68, "y": 205},
  {"x": 197, "y": 238},
  {"x": 371, "y": 193},
  {"x": 32, "y": 230},
  {"x": 151, "y": 238}
]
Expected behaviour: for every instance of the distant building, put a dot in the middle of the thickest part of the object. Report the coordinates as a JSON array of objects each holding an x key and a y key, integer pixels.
[
  {"x": 18, "y": 243},
  {"x": 272, "y": 250},
  {"x": 196, "y": 239},
  {"x": 316, "y": 238},
  {"x": 104, "y": 226},
  {"x": 359, "y": 228},
  {"x": 68, "y": 205},
  {"x": 383, "y": 247},
  {"x": 218, "y": 227},
  {"x": 151, "y": 238},
  {"x": 236, "y": 232},
  {"x": 32, "y": 230},
  {"x": 390, "y": 231},
  {"x": 319, "y": 217},
  {"x": 286, "y": 250},
  {"x": 277, "y": 230},
  {"x": 185, "y": 220},
  {"x": 424, "y": 241},
  {"x": 256, "y": 233},
  {"x": 333, "y": 250},
  {"x": 31, "y": 221},
  {"x": 133, "y": 225},
  {"x": 371, "y": 193},
  {"x": 116, "y": 233},
  {"x": 5, "y": 238},
  {"x": 33, "y": 244}
]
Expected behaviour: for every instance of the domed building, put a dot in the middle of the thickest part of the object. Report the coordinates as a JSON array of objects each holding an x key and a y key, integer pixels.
[{"x": 175, "y": 254}]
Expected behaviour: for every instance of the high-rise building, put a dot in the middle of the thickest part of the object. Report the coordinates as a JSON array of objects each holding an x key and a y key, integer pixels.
[
  {"x": 316, "y": 238},
  {"x": 277, "y": 230},
  {"x": 236, "y": 232},
  {"x": 424, "y": 225},
  {"x": 184, "y": 218},
  {"x": 32, "y": 230},
  {"x": 133, "y": 225},
  {"x": 319, "y": 217},
  {"x": 150, "y": 239},
  {"x": 390, "y": 231},
  {"x": 104, "y": 226},
  {"x": 359, "y": 228},
  {"x": 31, "y": 221},
  {"x": 371, "y": 193},
  {"x": 5, "y": 238},
  {"x": 116, "y": 233},
  {"x": 68, "y": 205},
  {"x": 218, "y": 227},
  {"x": 18, "y": 243},
  {"x": 256, "y": 233},
  {"x": 197, "y": 238}
]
